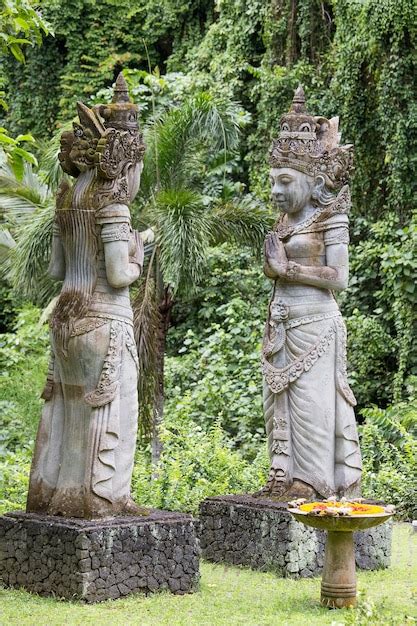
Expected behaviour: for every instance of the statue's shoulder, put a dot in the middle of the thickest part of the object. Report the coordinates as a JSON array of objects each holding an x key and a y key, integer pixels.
[
  {"x": 336, "y": 229},
  {"x": 336, "y": 215},
  {"x": 336, "y": 220},
  {"x": 113, "y": 214}
]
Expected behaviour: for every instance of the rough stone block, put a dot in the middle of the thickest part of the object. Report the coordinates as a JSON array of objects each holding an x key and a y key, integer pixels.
[
  {"x": 260, "y": 533},
  {"x": 95, "y": 560}
]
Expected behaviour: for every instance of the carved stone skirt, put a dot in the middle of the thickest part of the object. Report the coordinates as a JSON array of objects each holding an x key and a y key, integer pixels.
[
  {"x": 84, "y": 453},
  {"x": 308, "y": 404}
]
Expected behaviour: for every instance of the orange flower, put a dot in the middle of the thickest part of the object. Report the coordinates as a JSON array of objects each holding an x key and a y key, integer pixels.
[{"x": 346, "y": 508}]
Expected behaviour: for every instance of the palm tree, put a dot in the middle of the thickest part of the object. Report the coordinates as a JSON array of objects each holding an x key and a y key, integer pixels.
[{"x": 187, "y": 204}]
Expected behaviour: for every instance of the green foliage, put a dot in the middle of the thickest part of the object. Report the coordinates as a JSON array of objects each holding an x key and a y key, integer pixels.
[
  {"x": 355, "y": 58},
  {"x": 11, "y": 151},
  {"x": 196, "y": 463},
  {"x": 371, "y": 354},
  {"x": 26, "y": 209},
  {"x": 93, "y": 41},
  {"x": 29, "y": 338},
  {"x": 188, "y": 208},
  {"x": 154, "y": 92},
  {"x": 389, "y": 448},
  {"x": 20, "y": 24},
  {"x": 23, "y": 365},
  {"x": 382, "y": 286},
  {"x": 373, "y": 87},
  {"x": 8, "y": 306},
  {"x": 31, "y": 256},
  {"x": 214, "y": 347},
  {"x": 14, "y": 480},
  {"x": 34, "y": 104},
  {"x": 221, "y": 371}
]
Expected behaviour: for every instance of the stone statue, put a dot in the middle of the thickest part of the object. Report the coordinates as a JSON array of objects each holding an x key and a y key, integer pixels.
[
  {"x": 308, "y": 404},
  {"x": 84, "y": 451}
]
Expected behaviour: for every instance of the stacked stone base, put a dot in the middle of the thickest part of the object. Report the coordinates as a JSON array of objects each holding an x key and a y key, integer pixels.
[
  {"x": 99, "y": 559},
  {"x": 261, "y": 534}
]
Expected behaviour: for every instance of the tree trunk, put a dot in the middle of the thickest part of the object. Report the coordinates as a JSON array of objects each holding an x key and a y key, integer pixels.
[{"x": 165, "y": 307}]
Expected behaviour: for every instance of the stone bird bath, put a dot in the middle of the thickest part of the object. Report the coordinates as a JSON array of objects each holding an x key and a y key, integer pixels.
[{"x": 338, "y": 584}]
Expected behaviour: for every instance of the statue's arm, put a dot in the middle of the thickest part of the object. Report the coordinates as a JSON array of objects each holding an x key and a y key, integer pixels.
[
  {"x": 334, "y": 275},
  {"x": 56, "y": 267},
  {"x": 123, "y": 256}
]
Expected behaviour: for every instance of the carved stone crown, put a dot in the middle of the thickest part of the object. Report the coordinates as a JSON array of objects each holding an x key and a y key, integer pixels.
[
  {"x": 310, "y": 144},
  {"x": 107, "y": 138},
  {"x": 121, "y": 112}
]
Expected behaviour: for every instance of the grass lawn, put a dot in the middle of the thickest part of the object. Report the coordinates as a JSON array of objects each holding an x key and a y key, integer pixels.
[{"x": 232, "y": 595}]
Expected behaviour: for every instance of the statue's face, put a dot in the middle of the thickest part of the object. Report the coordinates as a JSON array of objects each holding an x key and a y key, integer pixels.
[{"x": 291, "y": 189}]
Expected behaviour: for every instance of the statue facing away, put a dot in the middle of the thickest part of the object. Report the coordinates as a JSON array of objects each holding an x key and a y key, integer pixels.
[
  {"x": 308, "y": 404},
  {"x": 84, "y": 451}
]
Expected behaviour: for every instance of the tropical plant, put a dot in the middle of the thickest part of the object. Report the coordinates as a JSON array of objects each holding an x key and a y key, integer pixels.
[
  {"x": 20, "y": 25},
  {"x": 389, "y": 449},
  {"x": 196, "y": 463},
  {"x": 26, "y": 214}
]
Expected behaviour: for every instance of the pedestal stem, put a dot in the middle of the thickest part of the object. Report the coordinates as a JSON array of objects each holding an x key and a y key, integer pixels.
[{"x": 338, "y": 585}]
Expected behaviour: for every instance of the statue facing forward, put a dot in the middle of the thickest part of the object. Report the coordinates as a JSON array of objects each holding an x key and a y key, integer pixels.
[
  {"x": 308, "y": 404},
  {"x": 84, "y": 451}
]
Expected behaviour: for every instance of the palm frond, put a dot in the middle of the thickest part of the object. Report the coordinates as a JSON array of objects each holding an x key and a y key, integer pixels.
[
  {"x": 216, "y": 120},
  {"x": 182, "y": 236},
  {"x": 15, "y": 208},
  {"x": 244, "y": 220},
  {"x": 173, "y": 158},
  {"x": 146, "y": 324},
  {"x": 29, "y": 258},
  {"x": 26, "y": 210},
  {"x": 20, "y": 198},
  {"x": 51, "y": 170}
]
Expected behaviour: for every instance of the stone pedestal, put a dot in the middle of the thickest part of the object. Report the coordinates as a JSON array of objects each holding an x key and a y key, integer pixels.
[
  {"x": 99, "y": 559},
  {"x": 338, "y": 582},
  {"x": 260, "y": 533}
]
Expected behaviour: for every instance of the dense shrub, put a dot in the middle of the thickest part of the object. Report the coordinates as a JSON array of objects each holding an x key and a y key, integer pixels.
[
  {"x": 14, "y": 480},
  {"x": 30, "y": 338},
  {"x": 215, "y": 346},
  {"x": 23, "y": 370},
  {"x": 389, "y": 449},
  {"x": 196, "y": 462},
  {"x": 371, "y": 351}
]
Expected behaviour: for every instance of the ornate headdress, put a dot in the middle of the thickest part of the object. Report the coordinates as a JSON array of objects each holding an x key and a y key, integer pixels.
[
  {"x": 121, "y": 113},
  {"x": 107, "y": 136},
  {"x": 310, "y": 144}
]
